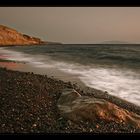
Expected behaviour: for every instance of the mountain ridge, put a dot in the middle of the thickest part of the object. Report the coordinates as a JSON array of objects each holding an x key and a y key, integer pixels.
[{"x": 115, "y": 42}]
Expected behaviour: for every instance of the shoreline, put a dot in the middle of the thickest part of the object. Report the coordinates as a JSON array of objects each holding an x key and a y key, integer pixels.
[
  {"x": 28, "y": 105},
  {"x": 59, "y": 75},
  {"x": 51, "y": 72},
  {"x": 26, "y": 45}
]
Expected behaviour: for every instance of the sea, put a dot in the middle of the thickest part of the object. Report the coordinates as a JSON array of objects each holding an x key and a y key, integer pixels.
[{"x": 114, "y": 68}]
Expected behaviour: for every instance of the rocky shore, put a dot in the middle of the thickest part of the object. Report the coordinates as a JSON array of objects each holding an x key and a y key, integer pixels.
[{"x": 29, "y": 104}]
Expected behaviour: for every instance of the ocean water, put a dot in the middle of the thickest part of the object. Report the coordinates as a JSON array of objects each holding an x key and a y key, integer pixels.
[{"x": 111, "y": 68}]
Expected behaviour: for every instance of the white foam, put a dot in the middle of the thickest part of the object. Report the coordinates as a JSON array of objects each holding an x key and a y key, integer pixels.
[
  {"x": 122, "y": 83},
  {"x": 35, "y": 60},
  {"x": 116, "y": 82}
]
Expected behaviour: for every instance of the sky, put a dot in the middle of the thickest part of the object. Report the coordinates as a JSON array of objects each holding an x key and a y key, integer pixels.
[{"x": 75, "y": 24}]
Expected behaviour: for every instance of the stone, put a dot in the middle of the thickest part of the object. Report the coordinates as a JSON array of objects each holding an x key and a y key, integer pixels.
[
  {"x": 75, "y": 107},
  {"x": 97, "y": 126},
  {"x": 34, "y": 125}
]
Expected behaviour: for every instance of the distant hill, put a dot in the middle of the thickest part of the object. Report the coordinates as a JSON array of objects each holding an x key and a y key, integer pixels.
[
  {"x": 115, "y": 42},
  {"x": 11, "y": 37}
]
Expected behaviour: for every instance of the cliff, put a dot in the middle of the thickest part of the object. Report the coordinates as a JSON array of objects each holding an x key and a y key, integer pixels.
[{"x": 12, "y": 37}]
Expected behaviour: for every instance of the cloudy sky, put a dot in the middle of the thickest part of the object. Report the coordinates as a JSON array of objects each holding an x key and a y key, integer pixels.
[{"x": 75, "y": 24}]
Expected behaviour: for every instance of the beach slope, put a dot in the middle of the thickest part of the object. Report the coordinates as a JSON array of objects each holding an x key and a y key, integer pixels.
[{"x": 29, "y": 104}]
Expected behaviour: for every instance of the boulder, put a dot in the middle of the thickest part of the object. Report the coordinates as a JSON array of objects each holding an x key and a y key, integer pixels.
[{"x": 75, "y": 107}]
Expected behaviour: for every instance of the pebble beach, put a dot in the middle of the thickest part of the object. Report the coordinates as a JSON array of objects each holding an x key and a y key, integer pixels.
[{"x": 28, "y": 104}]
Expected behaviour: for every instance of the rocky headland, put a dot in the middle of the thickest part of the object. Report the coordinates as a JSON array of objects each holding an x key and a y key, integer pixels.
[{"x": 11, "y": 37}]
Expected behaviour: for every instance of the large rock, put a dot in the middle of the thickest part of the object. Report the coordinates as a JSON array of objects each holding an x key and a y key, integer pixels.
[{"x": 76, "y": 107}]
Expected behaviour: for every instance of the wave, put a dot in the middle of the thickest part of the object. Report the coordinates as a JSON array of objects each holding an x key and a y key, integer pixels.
[
  {"x": 119, "y": 57},
  {"x": 123, "y": 84},
  {"x": 126, "y": 55},
  {"x": 35, "y": 60}
]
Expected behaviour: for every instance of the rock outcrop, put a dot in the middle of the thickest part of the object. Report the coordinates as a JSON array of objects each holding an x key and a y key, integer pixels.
[
  {"x": 75, "y": 107},
  {"x": 11, "y": 37}
]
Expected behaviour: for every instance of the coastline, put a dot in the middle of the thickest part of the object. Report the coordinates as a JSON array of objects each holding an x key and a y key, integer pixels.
[
  {"x": 29, "y": 105},
  {"x": 26, "y": 45},
  {"x": 51, "y": 72}
]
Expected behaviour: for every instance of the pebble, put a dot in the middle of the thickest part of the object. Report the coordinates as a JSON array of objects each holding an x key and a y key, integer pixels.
[
  {"x": 3, "y": 125},
  {"x": 60, "y": 118},
  {"x": 90, "y": 130},
  {"x": 69, "y": 122},
  {"x": 34, "y": 125},
  {"x": 97, "y": 126}
]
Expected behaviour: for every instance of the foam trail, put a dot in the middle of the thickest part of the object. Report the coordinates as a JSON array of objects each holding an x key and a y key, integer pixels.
[
  {"x": 36, "y": 61},
  {"x": 120, "y": 83}
]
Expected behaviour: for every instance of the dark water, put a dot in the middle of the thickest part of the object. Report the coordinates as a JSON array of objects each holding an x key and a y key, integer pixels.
[
  {"x": 124, "y": 55},
  {"x": 114, "y": 68}
]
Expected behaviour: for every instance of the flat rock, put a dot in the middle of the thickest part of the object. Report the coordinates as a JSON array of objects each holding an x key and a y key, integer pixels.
[{"x": 76, "y": 108}]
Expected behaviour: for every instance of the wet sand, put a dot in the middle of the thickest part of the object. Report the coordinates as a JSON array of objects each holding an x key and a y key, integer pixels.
[
  {"x": 28, "y": 104},
  {"x": 51, "y": 72}
]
